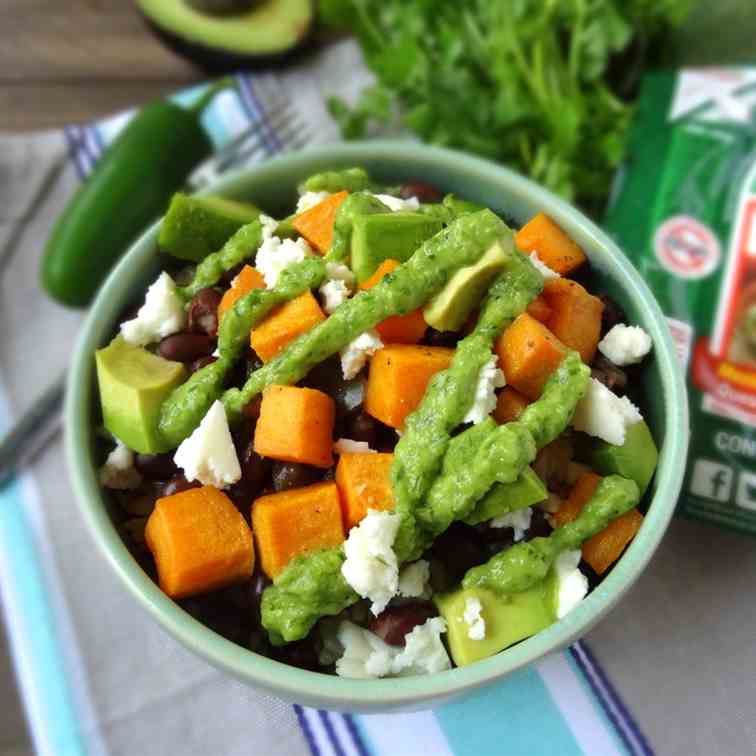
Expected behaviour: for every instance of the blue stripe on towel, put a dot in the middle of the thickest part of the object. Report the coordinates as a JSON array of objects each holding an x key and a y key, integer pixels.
[
  {"x": 612, "y": 705},
  {"x": 517, "y": 717},
  {"x": 38, "y": 655},
  {"x": 307, "y": 732}
]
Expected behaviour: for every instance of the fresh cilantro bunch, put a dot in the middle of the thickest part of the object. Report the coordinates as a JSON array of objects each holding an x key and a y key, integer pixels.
[{"x": 524, "y": 82}]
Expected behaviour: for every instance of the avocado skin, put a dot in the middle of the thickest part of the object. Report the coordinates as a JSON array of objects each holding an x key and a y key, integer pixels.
[{"x": 214, "y": 61}]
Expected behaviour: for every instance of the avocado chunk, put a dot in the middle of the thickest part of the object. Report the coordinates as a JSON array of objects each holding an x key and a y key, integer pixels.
[
  {"x": 451, "y": 307},
  {"x": 383, "y": 236},
  {"x": 508, "y": 619},
  {"x": 635, "y": 459},
  {"x": 133, "y": 384},
  {"x": 527, "y": 490},
  {"x": 194, "y": 227},
  {"x": 228, "y": 35}
]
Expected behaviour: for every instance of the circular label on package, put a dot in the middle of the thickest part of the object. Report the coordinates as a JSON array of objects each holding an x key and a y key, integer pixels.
[{"x": 686, "y": 247}]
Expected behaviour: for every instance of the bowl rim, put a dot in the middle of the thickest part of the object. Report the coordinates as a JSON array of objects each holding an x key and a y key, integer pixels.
[{"x": 330, "y": 691}]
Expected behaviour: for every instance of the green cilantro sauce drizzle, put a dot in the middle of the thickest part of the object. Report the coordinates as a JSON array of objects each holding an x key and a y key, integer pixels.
[
  {"x": 240, "y": 247},
  {"x": 475, "y": 460},
  {"x": 343, "y": 223},
  {"x": 188, "y": 403},
  {"x": 420, "y": 451},
  {"x": 408, "y": 287},
  {"x": 523, "y": 565}
]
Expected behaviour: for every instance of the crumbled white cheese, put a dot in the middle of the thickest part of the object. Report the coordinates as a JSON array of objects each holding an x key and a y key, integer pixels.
[
  {"x": 605, "y": 415},
  {"x": 275, "y": 255},
  {"x": 474, "y": 619},
  {"x": 625, "y": 345},
  {"x": 424, "y": 652},
  {"x": 333, "y": 294},
  {"x": 310, "y": 199},
  {"x": 370, "y": 566},
  {"x": 340, "y": 272},
  {"x": 542, "y": 268},
  {"x": 484, "y": 403},
  {"x": 161, "y": 315},
  {"x": 348, "y": 445},
  {"x": 519, "y": 521},
  {"x": 413, "y": 579},
  {"x": 355, "y": 354},
  {"x": 208, "y": 455},
  {"x": 269, "y": 225},
  {"x": 397, "y": 203},
  {"x": 368, "y": 656},
  {"x": 572, "y": 584},
  {"x": 118, "y": 471},
  {"x": 365, "y": 654}
]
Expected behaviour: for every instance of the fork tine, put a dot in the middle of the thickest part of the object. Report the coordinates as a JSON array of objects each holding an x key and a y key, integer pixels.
[{"x": 289, "y": 135}]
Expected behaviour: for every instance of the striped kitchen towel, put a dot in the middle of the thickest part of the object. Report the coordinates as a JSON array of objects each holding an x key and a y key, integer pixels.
[{"x": 97, "y": 676}]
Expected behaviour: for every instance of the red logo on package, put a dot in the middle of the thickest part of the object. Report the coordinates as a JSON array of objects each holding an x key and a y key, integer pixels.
[{"x": 686, "y": 247}]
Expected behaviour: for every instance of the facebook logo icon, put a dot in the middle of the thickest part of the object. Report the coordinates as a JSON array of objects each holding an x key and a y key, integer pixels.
[{"x": 711, "y": 480}]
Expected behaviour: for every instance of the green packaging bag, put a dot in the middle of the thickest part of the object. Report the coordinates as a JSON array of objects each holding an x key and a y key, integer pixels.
[{"x": 684, "y": 210}]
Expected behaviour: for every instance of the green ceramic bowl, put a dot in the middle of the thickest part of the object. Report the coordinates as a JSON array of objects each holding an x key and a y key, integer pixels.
[{"x": 272, "y": 186}]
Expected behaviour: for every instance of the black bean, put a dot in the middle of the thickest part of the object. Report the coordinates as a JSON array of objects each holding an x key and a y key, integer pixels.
[
  {"x": 393, "y": 623},
  {"x": 539, "y": 525},
  {"x": 196, "y": 365},
  {"x": 176, "y": 484},
  {"x": 253, "y": 362},
  {"x": 186, "y": 347},
  {"x": 203, "y": 312},
  {"x": 139, "y": 503},
  {"x": 360, "y": 426},
  {"x": 326, "y": 377},
  {"x": 300, "y": 654},
  {"x": 252, "y": 410},
  {"x": 229, "y": 275},
  {"x": 422, "y": 190},
  {"x": 156, "y": 466},
  {"x": 288, "y": 475},
  {"x": 441, "y": 338},
  {"x": 612, "y": 315},
  {"x": 459, "y": 549},
  {"x": 613, "y": 377}
]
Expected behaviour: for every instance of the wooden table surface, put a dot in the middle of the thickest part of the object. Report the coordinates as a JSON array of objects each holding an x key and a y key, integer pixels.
[{"x": 65, "y": 61}]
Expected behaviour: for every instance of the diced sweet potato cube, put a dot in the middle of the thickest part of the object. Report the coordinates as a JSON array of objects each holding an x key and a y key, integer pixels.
[
  {"x": 575, "y": 317},
  {"x": 296, "y": 425},
  {"x": 528, "y": 354},
  {"x": 399, "y": 375},
  {"x": 316, "y": 224},
  {"x": 539, "y": 309},
  {"x": 544, "y": 237},
  {"x": 284, "y": 324},
  {"x": 399, "y": 329},
  {"x": 295, "y": 522},
  {"x": 249, "y": 278},
  {"x": 199, "y": 541},
  {"x": 510, "y": 404},
  {"x": 602, "y": 550},
  {"x": 364, "y": 483}
]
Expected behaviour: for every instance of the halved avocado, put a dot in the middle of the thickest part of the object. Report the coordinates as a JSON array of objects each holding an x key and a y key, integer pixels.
[{"x": 221, "y": 41}]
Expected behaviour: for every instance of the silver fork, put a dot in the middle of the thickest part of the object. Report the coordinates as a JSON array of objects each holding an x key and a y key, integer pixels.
[{"x": 282, "y": 131}]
